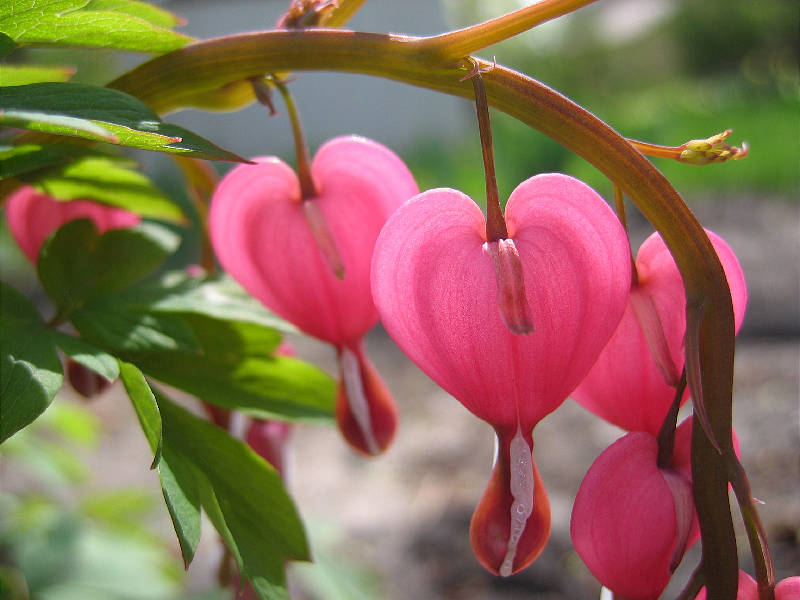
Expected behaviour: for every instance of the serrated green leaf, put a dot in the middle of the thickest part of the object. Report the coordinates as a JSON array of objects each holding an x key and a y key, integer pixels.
[
  {"x": 120, "y": 25},
  {"x": 7, "y": 45},
  {"x": 76, "y": 264},
  {"x": 107, "y": 181},
  {"x": 234, "y": 367},
  {"x": 144, "y": 403},
  {"x": 66, "y": 108},
  {"x": 29, "y": 365},
  {"x": 25, "y": 74},
  {"x": 87, "y": 355},
  {"x": 244, "y": 497}
]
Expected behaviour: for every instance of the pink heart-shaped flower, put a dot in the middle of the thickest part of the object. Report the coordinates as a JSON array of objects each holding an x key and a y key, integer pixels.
[
  {"x": 290, "y": 252},
  {"x": 33, "y": 216},
  {"x": 632, "y": 521},
  {"x": 450, "y": 300},
  {"x": 633, "y": 382}
]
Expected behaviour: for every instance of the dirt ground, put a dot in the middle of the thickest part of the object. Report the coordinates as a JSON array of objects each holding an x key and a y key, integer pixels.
[{"x": 402, "y": 520}]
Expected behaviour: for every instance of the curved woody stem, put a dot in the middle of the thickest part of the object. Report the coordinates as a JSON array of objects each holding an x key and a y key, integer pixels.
[{"x": 183, "y": 77}]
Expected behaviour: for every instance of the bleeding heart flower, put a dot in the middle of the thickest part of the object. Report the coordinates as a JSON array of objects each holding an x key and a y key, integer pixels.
[
  {"x": 452, "y": 301},
  {"x": 633, "y": 382},
  {"x": 85, "y": 381},
  {"x": 788, "y": 589},
  {"x": 309, "y": 259},
  {"x": 33, "y": 216},
  {"x": 633, "y": 521}
]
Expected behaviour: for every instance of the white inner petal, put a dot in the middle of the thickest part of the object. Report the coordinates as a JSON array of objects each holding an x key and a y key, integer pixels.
[
  {"x": 522, "y": 492},
  {"x": 357, "y": 399}
]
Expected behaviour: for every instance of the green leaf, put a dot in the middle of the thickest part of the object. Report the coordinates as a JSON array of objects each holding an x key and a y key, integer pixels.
[
  {"x": 147, "y": 12},
  {"x": 120, "y": 25},
  {"x": 76, "y": 264},
  {"x": 56, "y": 124},
  {"x": 108, "y": 181},
  {"x": 219, "y": 297},
  {"x": 235, "y": 368},
  {"x": 180, "y": 485},
  {"x": 88, "y": 355},
  {"x": 16, "y": 160},
  {"x": 144, "y": 403},
  {"x": 7, "y": 45},
  {"x": 31, "y": 371},
  {"x": 243, "y": 496},
  {"x": 129, "y": 331},
  {"x": 25, "y": 74},
  {"x": 100, "y": 114}
]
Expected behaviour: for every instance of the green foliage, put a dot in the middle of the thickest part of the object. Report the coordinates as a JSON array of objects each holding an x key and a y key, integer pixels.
[
  {"x": 102, "y": 115},
  {"x": 104, "y": 179},
  {"x": 117, "y": 24},
  {"x": 31, "y": 371},
  {"x": 25, "y": 74},
  {"x": 25, "y": 158},
  {"x": 201, "y": 465},
  {"x": 87, "y": 355},
  {"x": 77, "y": 264}
]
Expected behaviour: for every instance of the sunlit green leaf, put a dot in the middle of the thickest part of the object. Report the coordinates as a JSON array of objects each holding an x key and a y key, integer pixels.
[
  {"x": 243, "y": 496},
  {"x": 234, "y": 367},
  {"x": 180, "y": 484},
  {"x": 31, "y": 371},
  {"x": 25, "y": 74},
  {"x": 87, "y": 355},
  {"x": 100, "y": 114},
  {"x": 77, "y": 264},
  {"x": 102, "y": 24},
  {"x": 16, "y": 160},
  {"x": 108, "y": 181},
  {"x": 144, "y": 403},
  {"x": 219, "y": 297},
  {"x": 129, "y": 331}
]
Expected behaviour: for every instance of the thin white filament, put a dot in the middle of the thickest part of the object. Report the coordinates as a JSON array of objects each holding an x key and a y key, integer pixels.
[
  {"x": 521, "y": 465},
  {"x": 357, "y": 399}
]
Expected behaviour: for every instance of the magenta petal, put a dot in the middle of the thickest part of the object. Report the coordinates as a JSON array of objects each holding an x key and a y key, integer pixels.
[
  {"x": 436, "y": 289},
  {"x": 625, "y": 519},
  {"x": 32, "y": 217},
  {"x": 262, "y": 238},
  {"x": 627, "y": 386}
]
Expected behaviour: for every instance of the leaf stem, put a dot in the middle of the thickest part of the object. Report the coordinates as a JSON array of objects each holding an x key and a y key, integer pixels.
[{"x": 462, "y": 42}]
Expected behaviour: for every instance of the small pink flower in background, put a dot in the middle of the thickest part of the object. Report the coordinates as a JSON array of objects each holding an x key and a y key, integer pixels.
[
  {"x": 33, "y": 216},
  {"x": 309, "y": 260},
  {"x": 85, "y": 381},
  {"x": 633, "y": 382},
  {"x": 633, "y": 521},
  {"x": 449, "y": 299},
  {"x": 788, "y": 589}
]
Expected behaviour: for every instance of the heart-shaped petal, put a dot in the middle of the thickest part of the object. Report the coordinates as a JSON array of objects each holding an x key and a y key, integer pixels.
[
  {"x": 262, "y": 236},
  {"x": 435, "y": 286},
  {"x": 627, "y": 386},
  {"x": 32, "y": 217}
]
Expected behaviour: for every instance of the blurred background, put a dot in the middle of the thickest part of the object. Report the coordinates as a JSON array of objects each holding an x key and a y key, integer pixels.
[{"x": 80, "y": 514}]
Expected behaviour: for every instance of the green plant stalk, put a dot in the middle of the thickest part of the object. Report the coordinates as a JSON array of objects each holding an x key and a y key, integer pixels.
[{"x": 176, "y": 80}]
